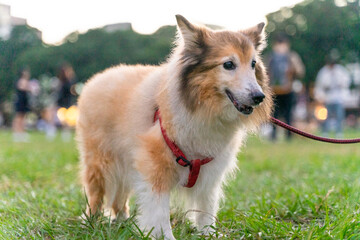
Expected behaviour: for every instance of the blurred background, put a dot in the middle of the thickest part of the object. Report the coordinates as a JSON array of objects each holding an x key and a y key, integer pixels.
[{"x": 314, "y": 44}]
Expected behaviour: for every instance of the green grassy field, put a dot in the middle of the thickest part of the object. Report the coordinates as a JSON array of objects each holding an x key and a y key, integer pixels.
[{"x": 300, "y": 190}]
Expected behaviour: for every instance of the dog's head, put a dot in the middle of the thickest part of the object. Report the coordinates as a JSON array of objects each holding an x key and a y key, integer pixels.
[{"x": 222, "y": 74}]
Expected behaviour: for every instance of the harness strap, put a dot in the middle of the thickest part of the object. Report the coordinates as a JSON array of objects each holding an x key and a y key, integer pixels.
[{"x": 194, "y": 165}]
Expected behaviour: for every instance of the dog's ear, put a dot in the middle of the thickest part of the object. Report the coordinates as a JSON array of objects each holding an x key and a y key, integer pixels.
[
  {"x": 257, "y": 36},
  {"x": 193, "y": 35},
  {"x": 185, "y": 27}
]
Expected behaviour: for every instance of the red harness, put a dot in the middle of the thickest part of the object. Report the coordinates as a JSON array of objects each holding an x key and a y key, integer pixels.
[{"x": 194, "y": 165}]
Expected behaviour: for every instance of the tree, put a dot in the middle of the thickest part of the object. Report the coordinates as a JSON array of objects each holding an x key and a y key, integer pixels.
[
  {"x": 21, "y": 39},
  {"x": 97, "y": 49},
  {"x": 316, "y": 27}
]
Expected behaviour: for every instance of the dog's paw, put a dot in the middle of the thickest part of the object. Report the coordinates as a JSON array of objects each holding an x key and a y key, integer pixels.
[
  {"x": 210, "y": 231},
  {"x": 121, "y": 216},
  {"x": 108, "y": 213}
]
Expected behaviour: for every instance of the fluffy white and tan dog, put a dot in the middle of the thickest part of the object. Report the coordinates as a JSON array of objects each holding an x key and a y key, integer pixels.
[{"x": 210, "y": 93}]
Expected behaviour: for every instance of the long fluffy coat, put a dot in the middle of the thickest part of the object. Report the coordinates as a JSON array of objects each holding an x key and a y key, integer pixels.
[{"x": 201, "y": 101}]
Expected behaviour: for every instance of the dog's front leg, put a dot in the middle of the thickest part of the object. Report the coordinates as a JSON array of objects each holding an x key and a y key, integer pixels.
[
  {"x": 154, "y": 209},
  {"x": 207, "y": 207}
]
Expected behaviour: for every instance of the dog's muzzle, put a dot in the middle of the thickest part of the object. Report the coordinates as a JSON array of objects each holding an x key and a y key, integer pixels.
[{"x": 256, "y": 98}]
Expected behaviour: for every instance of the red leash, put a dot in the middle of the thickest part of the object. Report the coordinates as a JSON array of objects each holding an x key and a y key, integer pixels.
[
  {"x": 308, "y": 135},
  {"x": 194, "y": 165}
]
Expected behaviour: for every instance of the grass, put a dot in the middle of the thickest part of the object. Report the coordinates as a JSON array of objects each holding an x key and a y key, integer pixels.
[{"x": 297, "y": 190}]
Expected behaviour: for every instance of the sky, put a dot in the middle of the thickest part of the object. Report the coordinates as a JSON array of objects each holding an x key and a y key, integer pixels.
[{"x": 57, "y": 18}]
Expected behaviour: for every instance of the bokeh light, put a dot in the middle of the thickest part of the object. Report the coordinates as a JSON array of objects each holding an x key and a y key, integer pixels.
[
  {"x": 321, "y": 113},
  {"x": 68, "y": 116}
]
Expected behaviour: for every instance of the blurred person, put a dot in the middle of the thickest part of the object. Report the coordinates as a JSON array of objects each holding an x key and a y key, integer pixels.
[
  {"x": 353, "y": 101},
  {"x": 21, "y": 106},
  {"x": 65, "y": 99},
  {"x": 47, "y": 123},
  {"x": 331, "y": 88},
  {"x": 48, "y": 98},
  {"x": 284, "y": 66},
  {"x": 354, "y": 69},
  {"x": 67, "y": 79}
]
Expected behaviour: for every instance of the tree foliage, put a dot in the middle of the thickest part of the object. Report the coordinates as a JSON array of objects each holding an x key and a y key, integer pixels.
[
  {"x": 97, "y": 49},
  {"x": 88, "y": 53},
  {"x": 22, "y": 39},
  {"x": 317, "y": 27}
]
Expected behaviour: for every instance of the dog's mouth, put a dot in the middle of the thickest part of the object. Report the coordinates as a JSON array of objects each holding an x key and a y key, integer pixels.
[{"x": 244, "y": 109}]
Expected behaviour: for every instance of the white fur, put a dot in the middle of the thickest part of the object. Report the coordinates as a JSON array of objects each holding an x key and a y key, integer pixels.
[
  {"x": 154, "y": 209},
  {"x": 197, "y": 136}
]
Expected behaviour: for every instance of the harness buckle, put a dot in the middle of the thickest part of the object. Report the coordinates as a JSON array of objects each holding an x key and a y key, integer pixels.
[{"x": 187, "y": 162}]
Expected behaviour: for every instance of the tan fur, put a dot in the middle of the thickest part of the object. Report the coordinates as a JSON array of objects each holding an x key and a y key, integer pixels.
[
  {"x": 123, "y": 150},
  {"x": 98, "y": 106},
  {"x": 166, "y": 115},
  {"x": 154, "y": 162}
]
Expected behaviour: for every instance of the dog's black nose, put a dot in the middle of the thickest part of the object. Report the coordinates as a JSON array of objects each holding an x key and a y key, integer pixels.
[{"x": 257, "y": 97}]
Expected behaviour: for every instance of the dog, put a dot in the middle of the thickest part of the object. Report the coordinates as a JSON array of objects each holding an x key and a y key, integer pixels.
[{"x": 210, "y": 93}]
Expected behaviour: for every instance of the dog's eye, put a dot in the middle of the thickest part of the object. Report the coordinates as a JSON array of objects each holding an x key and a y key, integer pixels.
[
  {"x": 229, "y": 65},
  {"x": 253, "y": 64}
]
